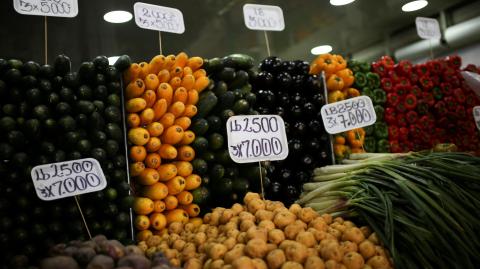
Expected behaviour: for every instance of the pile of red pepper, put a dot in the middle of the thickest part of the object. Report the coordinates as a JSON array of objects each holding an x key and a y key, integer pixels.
[{"x": 427, "y": 104}]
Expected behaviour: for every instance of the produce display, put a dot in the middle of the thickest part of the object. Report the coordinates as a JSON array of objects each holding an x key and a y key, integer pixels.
[
  {"x": 423, "y": 206},
  {"x": 340, "y": 81},
  {"x": 265, "y": 234},
  {"x": 161, "y": 98},
  {"x": 49, "y": 114},
  {"x": 229, "y": 94},
  {"x": 285, "y": 88},
  {"x": 427, "y": 104},
  {"x": 368, "y": 83}
]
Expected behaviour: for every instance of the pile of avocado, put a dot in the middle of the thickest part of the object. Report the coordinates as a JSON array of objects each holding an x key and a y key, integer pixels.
[
  {"x": 229, "y": 93},
  {"x": 49, "y": 113}
]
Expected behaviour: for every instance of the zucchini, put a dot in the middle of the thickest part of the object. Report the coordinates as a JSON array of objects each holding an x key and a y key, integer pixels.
[
  {"x": 226, "y": 100},
  {"x": 227, "y": 74},
  {"x": 220, "y": 88},
  {"x": 239, "y": 61},
  {"x": 241, "y": 78},
  {"x": 212, "y": 65},
  {"x": 208, "y": 100}
]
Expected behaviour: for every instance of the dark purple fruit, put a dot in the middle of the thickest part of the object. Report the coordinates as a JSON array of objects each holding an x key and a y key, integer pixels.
[
  {"x": 285, "y": 175},
  {"x": 264, "y": 80},
  {"x": 318, "y": 99},
  {"x": 309, "y": 109},
  {"x": 283, "y": 99},
  {"x": 280, "y": 111},
  {"x": 270, "y": 64},
  {"x": 314, "y": 83},
  {"x": 301, "y": 67},
  {"x": 296, "y": 111},
  {"x": 295, "y": 146},
  {"x": 315, "y": 126},
  {"x": 299, "y": 129},
  {"x": 283, "y": 80},
  {"x": 287, "y": 66}
]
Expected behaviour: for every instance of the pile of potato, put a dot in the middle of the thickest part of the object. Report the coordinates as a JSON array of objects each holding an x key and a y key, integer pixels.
[{"x": 265, "y": 234}]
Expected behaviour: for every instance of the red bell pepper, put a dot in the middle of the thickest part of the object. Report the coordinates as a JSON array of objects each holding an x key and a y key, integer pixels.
[
  {"x": 415, "y": 130},
  {"x": 454, "y": 61},
  {"x": 461, "y": 113},
  {"x": 435, "y": 66},
  {"x": 401, "y": 90},
  {"x": 412, "y": 116},
  {"x": 393, "y": 132},
  {"x": 437, "y": 93},
  {"x": 395, "y": 146},
  {"x": 390, "y": 115},
  {"x": 403, "y": 134},
  {"x": 471, "y": 68},
  {"x": 422, "y": 70},
  {"x": 410, "y": 101},
  {"x": 446, "y": 88},
  {"x": 425, "y": 123},
  {"x": 401, "y": 120},
  {"x": 393, "y": 99},
  {"x": 394, "y": 76},
  {"x": 456, "y": 82},
  {"x": 451, "y": 103},
  {"x": 435, "y": 79},
  {"x": 404, "y": 82},
  {"x": 449, "y": 74},
  {"x": 380, "y": 68},
  {"x": 401, "y": 107},
  {"x": 404, "y": 67},
  {"x": 415, "y": 90},
  {"x": 387, "y": 84},
  {"x": 459, "y": 95},
  {"x": 428, "y": 98},
  {"x": 426, "y": 83},
  {"x": 413, "y": 77},
  {"x": 440, "y": 108},
  {"x": 387, "y": 61},
  {"x": 422, "y": 107}
]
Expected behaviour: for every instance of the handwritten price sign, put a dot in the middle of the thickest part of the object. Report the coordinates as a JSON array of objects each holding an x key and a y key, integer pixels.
[
  {"x": 254, "y": 138},
  {"x": 428, "y": 28},
  {"x": 52, "y": 8},
  {"x": 65, "y": 179},
  {"x": 476, "y": 116},
  {"x": 348, "y": 114},
  {"x": 263, "y": 17},
  {"x": 158, "y": 18}
]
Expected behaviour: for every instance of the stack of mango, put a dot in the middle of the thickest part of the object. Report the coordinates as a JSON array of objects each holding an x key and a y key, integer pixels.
[
  {"x": 340, "y": 80},
  {"x": 161, "y": 97}
]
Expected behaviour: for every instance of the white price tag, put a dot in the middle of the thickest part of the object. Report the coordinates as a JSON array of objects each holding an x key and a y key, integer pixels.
[
  {"x": 263, "y": 17},
  {"x": 158, "y": 18},
  {"x": 64, "y": 179},
  {"x": 476, "y": 116},
  {"x": 348, "y": 114},
  {"x": 428, "y": 28},
  {"x": 52, "y": 8},
  {"x": 255, "y": 138}
]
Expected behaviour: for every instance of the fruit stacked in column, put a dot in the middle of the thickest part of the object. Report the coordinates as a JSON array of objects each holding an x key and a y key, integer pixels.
[
  {"x": 161, "y": 97},
  {"x": 339, "y": 81}
]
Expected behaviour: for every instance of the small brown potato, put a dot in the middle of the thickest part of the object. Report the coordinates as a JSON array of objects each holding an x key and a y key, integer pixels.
[
  {"x": 306, "y": 238},
  {"x": 295, "y": 208},
  {"x": 207, "y": 218},
  {"x": 338, "y": 220},
  {"x": 267, "y": 225},
  {"x": 307, "y": 214},
  {"x": 246, "y": 224},
  {"x": 292, "y": 265},
  {"x": 285, "y": 243},
  {"x": 366, "y": 231},
  {"x": 179, "y": 244},
  {"x": 328, "y": 218},
  {"x": 230, "y": 226},
  {"x": 235, "y": 219},
  {"x": 235, "y": 253},
  {"x": 276, "y": 236},
  {"x": 242, "y": 237},
  {"x": 193, "y": 263},
  {"x": 269, "y": 205},
  {"x": 215, "y": 218},
  {"x": 378, "y": 262},
  {"x": 153, "y": 241},
  {"x": 256, "y": 248},
  {"x": 271, "y": 247},
  {"x": 174, "y": 262},
  {"x": 319, "y": 224},
  {"x": 332, "y": 264},
  {"x": 221, "y": 238},
  {"x": 374, "y": 238},
  {"x": 237, "y": 208},
  {"x": 353, "y": 260},
  {"x": 227, "y": 266},
  {"x": 200, "y": 238},
  {"x": 143, "y": 246},
  {"x": 246, "y": 216},
  {"x": 301, "y": 224},
  {"x": 191, "y": 237},
  {"x": 276, "y": 258},
  {"x": 380, "y": 251},
  {"x": 348, "y": 246},
  {"x": 150, "y": 252},
  {"x": 367, "y": 249},
  {"x": 172, "y": 238},
  {"x": 217, "y": 251},
  {"x": 263, "y": 214},
  {"x": 227, "y": 214},
  {"x": 312, "y": 252},
  {"x": 331, "y": 250},
  {"x": 283, "y": 218},
  {"x": 319, "y": 235},
  {"x": 170, "y": 253},
  {"x": 314, "y": 262},
  {"x": 353, "y": 234},
  {"x": 254, "y": 205},
  {"x": 233, "y": 233},
  {"x": 212, "y": 232},
  {"x": 243, "y": 263},
  {"x": 259, "y": 264},
  {"x": 338, "y": 226},
  {"x": 217, "y": 264},
  {"x": 202, "y": 228},
  {"x": 336, "y": 233},
  {"x": 296, "y": 252},
  {"x": 163, "y": 246},
  {"x": 250, "y": 196},
  {"x": 175, "y": 228},
  {"x": 189, "y": 250},
  {"x": 230, "y": 242},
  {"x": 349, "y": 224},
  {"x": 201, "y": 248},
  {"x": 292, "y": 230},
  {"x": 189, "y": 227},
  {"x": 257, "y": 233}
]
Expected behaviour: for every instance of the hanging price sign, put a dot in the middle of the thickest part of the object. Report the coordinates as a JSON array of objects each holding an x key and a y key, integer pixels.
[
  {"x": 428, "y": 28},
  {"x": 348, "y": 114},
  {"x": 263, "y": 17},
  {"x": 64, "y": 179},
  {"x": 476, "y": 116},
  {"x": 158, "y": 18},
  {"x": 51, "y": 8},
  {"x": 255, "y": 138}
]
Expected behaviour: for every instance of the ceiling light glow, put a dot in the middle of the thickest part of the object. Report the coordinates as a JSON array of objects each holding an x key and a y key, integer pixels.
[
  {"x": 117, "y": 16},
  {"x": 321, "y": 49},
  {"x": 112, "y": 60},
  {"x": 340, "y": 2},
  {"x": 414, "y": 5}
]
